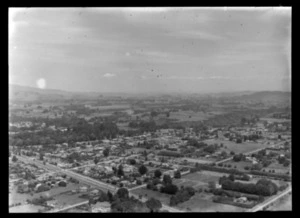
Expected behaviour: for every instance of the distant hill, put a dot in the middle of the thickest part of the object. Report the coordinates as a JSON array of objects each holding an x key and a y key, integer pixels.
[
  {"x": 26, "y": 94},
  {"x": 272, "y": 97}
]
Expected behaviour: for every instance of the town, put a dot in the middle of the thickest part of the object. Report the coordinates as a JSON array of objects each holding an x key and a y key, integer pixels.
[
  {"x": 149, "y": 109},
  {"x": 177, "y": 166}
]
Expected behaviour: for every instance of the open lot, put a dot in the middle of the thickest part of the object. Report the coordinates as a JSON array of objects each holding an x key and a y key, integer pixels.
[
  {"x": 237, "y": 148},
  {"x": 273, "y": 120},
  {"x": 164, "y": 198},
  {"x": 182, "y": 116},
  {"x": 198, "y": 179},
  {"x": 239, "y": 165},
  {"x": 27, "y": 208},
  {"x": 283, "y": 204},
  {"x": 202, "y": 202},
  {"x": 279, "y": 168},
  {"x": 61, "y": 194}
]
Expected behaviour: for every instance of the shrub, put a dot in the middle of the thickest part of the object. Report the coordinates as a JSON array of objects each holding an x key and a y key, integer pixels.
[
  {"x": 157, "y": 173},
  {"x": 62, "y": 184},
  {"x": 169, "y": 189},
  {"x": 177, "y": 174}
]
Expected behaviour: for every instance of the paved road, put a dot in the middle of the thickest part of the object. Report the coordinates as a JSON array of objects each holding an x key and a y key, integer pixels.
[
  {"x": 68, "y": 207},
  {"x": 269, "y": 201}
]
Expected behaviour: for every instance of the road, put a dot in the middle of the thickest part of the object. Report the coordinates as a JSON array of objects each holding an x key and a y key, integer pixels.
[
  {"x": 269, "y": 201},
  {"x": 68, "y": 207},
  {"x": 89, "y": 181}
]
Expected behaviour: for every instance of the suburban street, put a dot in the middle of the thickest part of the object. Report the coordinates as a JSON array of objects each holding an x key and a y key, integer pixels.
[{"x": 89, "y": 181}]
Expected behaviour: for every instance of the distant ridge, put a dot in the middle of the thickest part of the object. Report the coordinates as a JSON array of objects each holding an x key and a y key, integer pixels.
[{"x": 25, "y": 93}]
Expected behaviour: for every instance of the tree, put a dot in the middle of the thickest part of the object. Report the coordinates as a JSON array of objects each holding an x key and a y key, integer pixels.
[
  {"x": 106, "y": 152},
  {"x": 231, "y": 177},
  {"x": 169, "y": 189},
  {"x": 62, "y": 184},
  {"x": 167, "y": 179},
  {"x": 120, "y": 171},
  {"x": 153, "y": 204},
  {"x": 157, "y": 173},
  {"x": 110, "y": 196},
  {"x": 239, "y": 140},
  {"x": 177, "y": 174},
  {"x": 14, "y": 159},
  {"x": 143, "y": 170},
  {"x": 122, "y": 193},
  {"x": 96, "y": 160},
  {"x": 41, "y": 156},
  {"x": 132, "y": 161}
]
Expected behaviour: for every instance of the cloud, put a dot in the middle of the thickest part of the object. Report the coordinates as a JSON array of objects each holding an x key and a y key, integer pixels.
[
  {"x": 108, "y": 75},
  {"x": 199, "y": 35}
]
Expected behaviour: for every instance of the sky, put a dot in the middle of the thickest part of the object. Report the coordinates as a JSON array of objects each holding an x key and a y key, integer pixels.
[{"x": 198, "y": 50}]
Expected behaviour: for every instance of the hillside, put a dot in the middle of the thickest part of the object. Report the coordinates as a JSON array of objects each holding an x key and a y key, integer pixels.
[{"x": 267, "y": 97}]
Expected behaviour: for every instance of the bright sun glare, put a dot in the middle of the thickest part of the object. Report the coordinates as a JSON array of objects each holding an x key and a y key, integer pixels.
[{"x": 41, "y": 83}]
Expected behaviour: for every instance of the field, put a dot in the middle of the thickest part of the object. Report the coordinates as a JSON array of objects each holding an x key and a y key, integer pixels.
[
  {"x": 239, "y": 165},
  {"x": 198, "y": 179},
  {"x": 164, "y": 198},
  {"x": 182, "y": 116},
  {"x": 279, "y": 168},
  {"x": 273, "y": 120},
  {"x": 65, "y": 199},
  {"x": 59, "y": 193},
  {"x": 198, "y": 160},
  {"x": 110, "y": 107},
  {"x": 27, "y": 208},
  {"x": 283, "y": 204},
  {"x": 237, "y": 148},
  {"x": 202, "y": 202}
]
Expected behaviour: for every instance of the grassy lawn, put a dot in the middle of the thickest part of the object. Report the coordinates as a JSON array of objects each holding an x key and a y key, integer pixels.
[{"x": 202, "y": 202}]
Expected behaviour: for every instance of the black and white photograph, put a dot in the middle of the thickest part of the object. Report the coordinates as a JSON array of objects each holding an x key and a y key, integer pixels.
[{"x": 149, "y": 109}]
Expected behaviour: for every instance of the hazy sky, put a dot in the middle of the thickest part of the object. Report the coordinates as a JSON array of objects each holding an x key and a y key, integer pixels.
[{"x": 146, "y": 49}]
